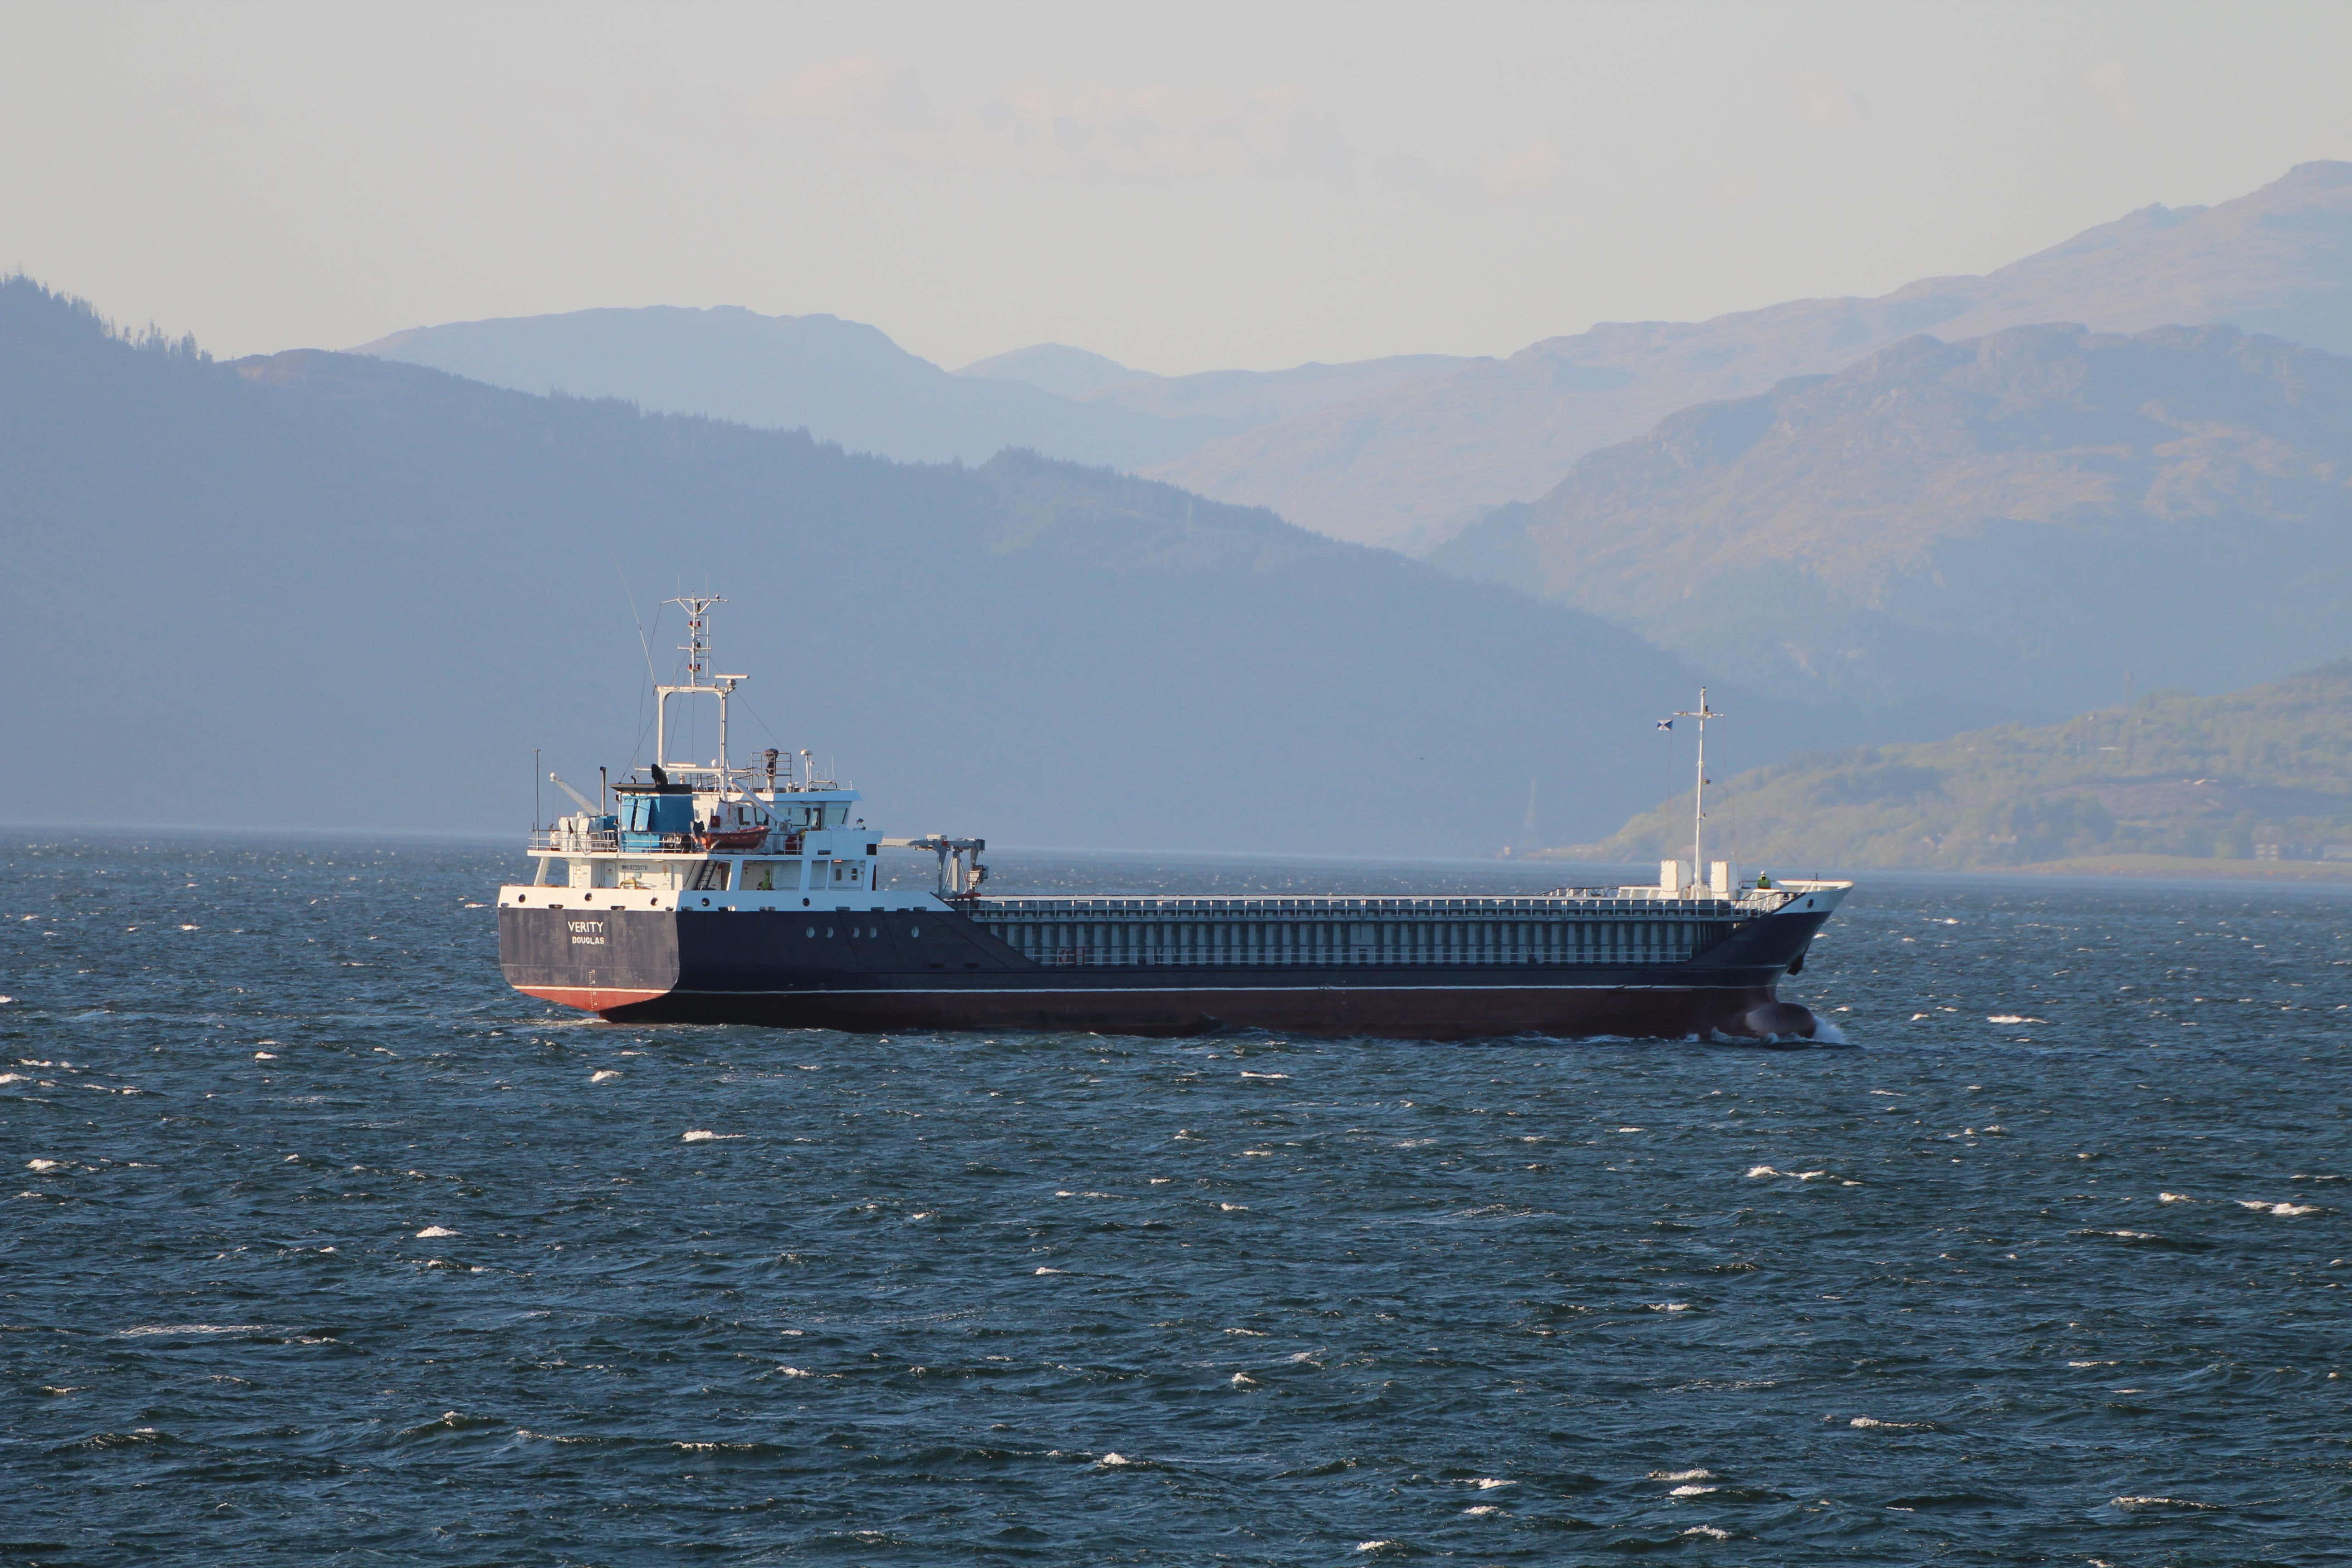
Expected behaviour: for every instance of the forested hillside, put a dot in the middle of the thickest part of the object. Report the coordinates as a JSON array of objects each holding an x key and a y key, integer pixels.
[
  {"x": 2170, "y": 775},
  {"x": 2028, "y": 519}
]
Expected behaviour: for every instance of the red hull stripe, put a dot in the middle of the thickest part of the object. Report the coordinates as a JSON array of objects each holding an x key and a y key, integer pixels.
[{"x": 590, "y": 998}]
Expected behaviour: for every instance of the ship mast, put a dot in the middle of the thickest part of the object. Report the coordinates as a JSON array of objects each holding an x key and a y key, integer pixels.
[
  {"x": 1698, "y": 806},
  {"x": 696, "y": 648}
]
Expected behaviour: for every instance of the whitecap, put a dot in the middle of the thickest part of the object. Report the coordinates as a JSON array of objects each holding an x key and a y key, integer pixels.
[
  {"x": 1754, "y": 1170},
  {"x": 1872, "y": 1422},
  {"x": 44, "y": 1164},
  {"x": 1683, "y": 1475},
  {"x": 1482, "y": 1511},
  {"x": 1234, "y": 1208},
  {"x": 1809, "y": 1175},
  {"x": 190, "y": 1329},
  {"x": 1049, "y": 1271},
  {"x": 603, "y": 1074},
  {"x": 1377, "y": 1545},
  {"x": 1111, "y": 1461},
  {"x": 1247, "y": 1073},
  {"x": 14, "y": 1078},
  {"x": 2013, "y": 1018},
  {"x": 1690, "y": 1488},
  {"x": 795, "y": 1371},
  {"x": 1488, "y": 1483},
  {"x": 2140, "y": 1502},
  {"x": 2174, "y": 1198},
  {"x": 699, "y": 1136},
  {"x": 1711, "y": 1532},
  {"x": 434, "y": 1231},
  {"x": 263, "y": 1056},
  {"x": 2263, "y": 1206},
  {"x": 1244, "y": 1379},
  {"x": 1670, "y": 1306}
]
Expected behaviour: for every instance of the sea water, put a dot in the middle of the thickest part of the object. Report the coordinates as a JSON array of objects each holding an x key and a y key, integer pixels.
[{"x": 323, "y": 1247}]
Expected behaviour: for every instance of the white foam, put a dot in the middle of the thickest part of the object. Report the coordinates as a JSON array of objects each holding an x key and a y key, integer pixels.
[
  {"x": 2138, "y": 1502},
  {"x": 1689, "y": 1488},
  {"x": 2130, "y": 1235},
  {"x": 265, "y": 1057},
  {"x": 2090, "y": 1363},
  {"x": 1683, "y": 1475},
  {"x": 1670, "y": 1306},
  {"x": 1755, "y": 1171},
  {"x": 702, "y": 1135},
  {"x": 1247, "y": 1073},
  {"x": 795, "y": 1371},
  {"x": 2013, "y": 1018},
  {"x": 433, "y": 1231},
  {"x": 1872, "y": 1422},
  {"x": 1110, "y": 1461},
  {"x": 1809, "y": 1175},
  {"x": 44, "y": 1164},
  {"x": 1036, "y": 1271},
  {"x": 603, "y": 1074},
  {"x": 1711, "y": 1532},
  {"x": 14, "y": 1078},
  {"x": 1482, "y": 1511},
  {"x": 1376, "y": 1545},
  {"x": 1828, "y": 1034},
  {"x": 2174, "y": 1198},
  {"x": 1234, "y": 1208},
  {"x": 1633, "y": 1130},
  {"x": 190, "y": 1329},
  {"x": 2260, "y": 1205},
  {"x": 1244, "y": 1379},
  {"x": 1488, "y": 1483}
]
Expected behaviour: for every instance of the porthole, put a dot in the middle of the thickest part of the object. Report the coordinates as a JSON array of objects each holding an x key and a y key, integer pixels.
[
  {"x": 706, "y": 903},
  {"x": 914, "y": 931},
  {"x": 812, "y": 930}
]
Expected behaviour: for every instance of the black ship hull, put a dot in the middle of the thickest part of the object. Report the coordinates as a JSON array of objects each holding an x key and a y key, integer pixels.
[{"x": 912, "y": 969}]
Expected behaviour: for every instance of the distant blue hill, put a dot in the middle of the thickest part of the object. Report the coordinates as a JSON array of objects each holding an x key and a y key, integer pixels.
[
  {"x": 323, "y": 590},
  {"x": 841, "y": 381}
]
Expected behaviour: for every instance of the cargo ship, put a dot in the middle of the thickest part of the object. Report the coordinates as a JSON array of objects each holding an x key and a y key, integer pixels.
[{"x": 717, "y": 893}]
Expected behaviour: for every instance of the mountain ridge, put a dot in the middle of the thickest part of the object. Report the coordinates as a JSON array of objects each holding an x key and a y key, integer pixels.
[
  {"x": 316, "y": 589},
  {"x": 840, "y": 380},
  {"x": 1410, "y": 467},
  {"x": 2021, "y": 519}
]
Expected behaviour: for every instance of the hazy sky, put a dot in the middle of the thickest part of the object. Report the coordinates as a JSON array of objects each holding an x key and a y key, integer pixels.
[{"x": 1180, "y": 185}]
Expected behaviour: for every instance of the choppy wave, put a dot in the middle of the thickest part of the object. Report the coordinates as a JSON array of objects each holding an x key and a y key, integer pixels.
[{"x": 1532, "y": 1300}]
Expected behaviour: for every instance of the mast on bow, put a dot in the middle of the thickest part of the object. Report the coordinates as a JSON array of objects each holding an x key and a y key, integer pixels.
[{"x": 1698, "y": 808}]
